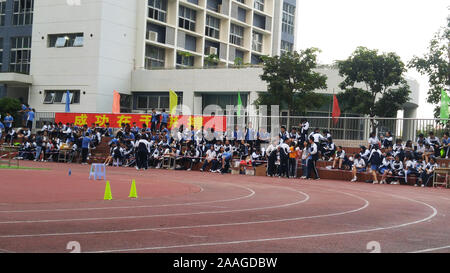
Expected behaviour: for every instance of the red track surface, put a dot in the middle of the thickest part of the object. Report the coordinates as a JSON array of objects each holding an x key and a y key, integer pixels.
[{"x": 179, "y": 211}]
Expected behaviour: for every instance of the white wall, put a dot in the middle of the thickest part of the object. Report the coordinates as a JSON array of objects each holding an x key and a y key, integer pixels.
[{"x": 104, "y": 62}]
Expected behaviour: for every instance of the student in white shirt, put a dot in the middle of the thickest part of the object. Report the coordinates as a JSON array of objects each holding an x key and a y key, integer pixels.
[
  {"x": 210, "y": 156},
  {"x": 359, "y": 166}
]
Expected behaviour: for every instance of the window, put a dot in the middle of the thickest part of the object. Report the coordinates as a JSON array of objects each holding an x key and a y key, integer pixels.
[
  {"x": 2, "y": 12},
  {"x": 241, "y": 1},
  {"x": 184, "y": 60},
  {"x": 187, "y": 18},
  {"x": 59, "y": 96},
  {"x": 259, "y": 5},
  {"x": 212, "y": 28},
  {"x": 157, "y": 100},
  {"x": 20, "y": 55},
  {"x": 23, "y": 12},
  {"x": 236, "y": 35},
  {"x": 66, "y": 40},
  {"x": 257, "y": 42},
  {"x": 154, "y": 57},
  {"x": 286, "y": 47},
  {"x": 157, "y": 9},
  {"x": 288, "y": 18}
]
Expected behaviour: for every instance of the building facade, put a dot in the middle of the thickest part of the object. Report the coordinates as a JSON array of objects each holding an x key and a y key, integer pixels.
[
  {"x": 16, "y": 21},
  {"x": 207, "y": 51},
  {"x": 141, "y": 48}
]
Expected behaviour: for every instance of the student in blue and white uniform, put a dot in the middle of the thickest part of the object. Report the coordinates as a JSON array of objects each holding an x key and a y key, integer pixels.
[
  {"x": 164, "y": 118},
  {"x": 375, "y": 160},
  {"x": 428, "y": 172},
  {"x": 359, "y": 166},
  {"x": 435, "y": 143},
  {"x": 8, "y": 121},
  {"x": 313, "y": 156},
  {"x": 411, "y": 168}
]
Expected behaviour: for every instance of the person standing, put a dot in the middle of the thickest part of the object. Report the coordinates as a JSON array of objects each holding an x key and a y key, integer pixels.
[
  {"x": 86, "y": 141},
  {"x": 39, "y": 144},
  {"x": 313, "y": 156},
  {"x": 165, "y": 119},
  {"x": 8, "y": 121},
  {"x": 30, "y": 119},
  {"x": 143, "y": 148}
]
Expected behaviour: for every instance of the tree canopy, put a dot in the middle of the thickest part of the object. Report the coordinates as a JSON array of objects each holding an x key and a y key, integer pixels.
[
  {"x": 291, "y": 81},
  {"x": 436, "y": 65},
  {"x": 373, "y": 83}
]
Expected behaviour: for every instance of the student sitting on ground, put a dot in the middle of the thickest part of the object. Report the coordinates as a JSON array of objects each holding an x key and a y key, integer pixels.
[
  {"x": 359, "y": 166},
  {"x": 435, "y": 143},
  {"x": 428, "y": 172},
  {"x": 444, "y": 146},
  {"x": 340, "y": 159},
  {"x": 210, "y": 156},
  {"x": 427, "y": 153},
  {"x": 385, "y": 168},
  {"x": 410, "y": 168},
  {"x": 395, "y": 171},
  {"x": 329, "y": 150}
]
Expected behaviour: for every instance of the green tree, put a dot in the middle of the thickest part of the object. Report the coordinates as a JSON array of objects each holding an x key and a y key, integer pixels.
[
  {"x": 12, "y": 106},
  {"x": 373, "y": 84},
  {"x": 291, "y": 81},
  {"x": 436, "y": 65}
]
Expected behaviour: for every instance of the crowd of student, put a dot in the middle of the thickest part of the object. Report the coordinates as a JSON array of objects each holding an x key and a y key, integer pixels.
[
  {"x": 398, "y": 161},
  {"x": 149, "y": 147}
]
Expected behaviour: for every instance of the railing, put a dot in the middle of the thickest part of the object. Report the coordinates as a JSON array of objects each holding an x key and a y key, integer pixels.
[{"x": 348, "y": 128}]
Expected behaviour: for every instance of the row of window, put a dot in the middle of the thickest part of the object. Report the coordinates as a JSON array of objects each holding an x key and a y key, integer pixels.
[
  {"x": 288, "y": 20},
  {"x": 66, "y": 40},
  {"x": 60, "y": 96},
  {"x": 22, "y": 12},
  {"x": 156, "y": 101}
]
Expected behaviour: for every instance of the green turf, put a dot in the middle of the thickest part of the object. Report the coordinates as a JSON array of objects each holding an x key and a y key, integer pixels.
[{"x": 22, "y": 168}]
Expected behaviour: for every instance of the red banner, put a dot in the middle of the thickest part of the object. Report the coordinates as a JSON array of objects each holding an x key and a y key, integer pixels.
[{"x": 219, "y": 123}]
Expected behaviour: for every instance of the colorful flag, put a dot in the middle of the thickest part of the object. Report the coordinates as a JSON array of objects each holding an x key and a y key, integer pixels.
[
  {"x": 336, "y": 110},
  {"x": 444, "y": 105},
  {"x": 239, "y": 104},
  {"x": 173, "y": 102},
  {"x": 116, "y": 103}
]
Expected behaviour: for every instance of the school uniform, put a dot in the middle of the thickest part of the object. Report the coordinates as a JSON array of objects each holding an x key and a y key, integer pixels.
[
  {"x": 142, "y": 151},
  {"x": 427, "y": 173},
  {"x": 284, "y": 160},
  {"x": 85, "y": 148},
  {"x": 304, "y": 132},
  {"x": 272, "y": 158},
  {"x": 375, "y": 159},
  {"x": 311, "y": 161}
]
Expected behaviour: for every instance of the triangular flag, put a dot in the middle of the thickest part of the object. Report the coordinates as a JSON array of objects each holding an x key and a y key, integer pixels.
[
  {"x": 444, "y": 105},
  {"x": 239, "y": 104},
  {"x": 133, "y": 192},
  {"x": 173, "y": 101},
  {"x": 108, "y": 195},
  {"x": 116, "y": 103},
  {"x": 336, "y": 110}
]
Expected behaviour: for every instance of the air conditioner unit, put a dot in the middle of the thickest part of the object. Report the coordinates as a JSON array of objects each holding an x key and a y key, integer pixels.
[
  {"x": 211, "y": 50},
  {"x": 153, "y": 36}
]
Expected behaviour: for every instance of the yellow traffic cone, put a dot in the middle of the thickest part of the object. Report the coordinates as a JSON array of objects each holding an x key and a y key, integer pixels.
[
  {"x": 108, "y": 195},
  {"x": 133, "y": 192}
]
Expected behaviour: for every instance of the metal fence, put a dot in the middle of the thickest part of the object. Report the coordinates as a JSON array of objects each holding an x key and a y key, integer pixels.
[{"x": 346, "y": 128}]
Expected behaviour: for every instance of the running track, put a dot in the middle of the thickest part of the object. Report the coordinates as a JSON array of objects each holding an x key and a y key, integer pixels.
[{"x": 190, "y": 212}]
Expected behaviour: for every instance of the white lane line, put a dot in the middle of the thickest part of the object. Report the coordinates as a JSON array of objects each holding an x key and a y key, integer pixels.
[
  {"x": 366, "y": 204},
  {"x": 161, "y": 215},
  {"x": 5, "y": 251},
  {"x": 431, "y": 249},
  {"x": 283, "y": 238},
  {"x": 143, "y": 206}
]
